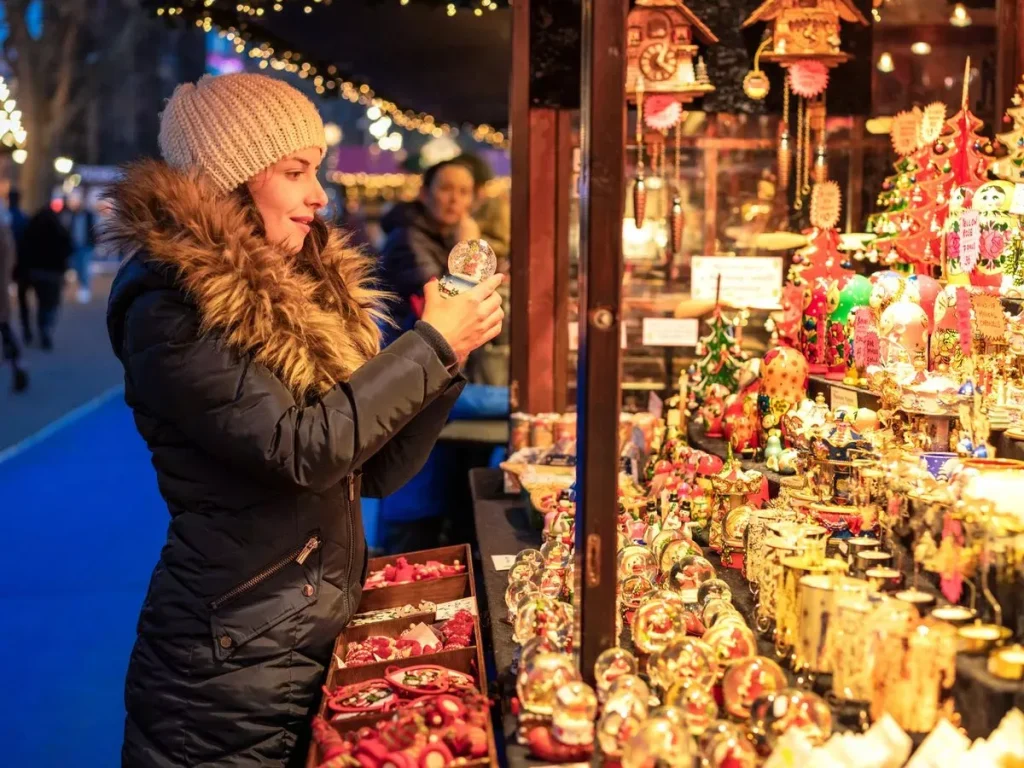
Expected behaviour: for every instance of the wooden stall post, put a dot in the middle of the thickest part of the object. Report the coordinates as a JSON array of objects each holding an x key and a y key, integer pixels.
[
  {"x": 602, "y": 204},
  {"x": 544, "y": 92},
  {"x": 1009, "y": 54}
]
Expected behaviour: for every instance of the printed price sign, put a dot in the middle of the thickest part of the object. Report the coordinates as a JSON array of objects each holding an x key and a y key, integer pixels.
[
  {"x": 747, "y": 281},
  {"x": 446, "y": 610},
  {"x": 865, "y": 339},
  {"x": 970, "y": 240},
  {"x": 963, "y": 320},
  {"x": 842, "y": 398},
  {"x": 503, "y": 562},
  {"x": 670, "y": 332},
  {"x": 989, "y": 320}
]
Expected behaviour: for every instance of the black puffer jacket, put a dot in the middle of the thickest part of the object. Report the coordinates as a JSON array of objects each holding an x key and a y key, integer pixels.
[{"x": 246, "y": 374}]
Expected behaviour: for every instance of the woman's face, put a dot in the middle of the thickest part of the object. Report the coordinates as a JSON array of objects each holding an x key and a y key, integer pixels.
[
  {"x": 450, "y": 195},
  {"x": 287, "y": 196}
]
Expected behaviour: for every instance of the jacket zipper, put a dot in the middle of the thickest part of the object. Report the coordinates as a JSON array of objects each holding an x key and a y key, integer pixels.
[
  {"x": 299, "y": 556},
  {"x": 351, "y": 544}
]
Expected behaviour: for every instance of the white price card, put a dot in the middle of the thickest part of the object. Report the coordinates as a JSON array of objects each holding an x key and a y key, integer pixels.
[
  {"x": 446, "y": 610},
  {"x": 689, "y": 596},
  {"x": 503, "y": 562},
  {"x": 670, "y": 331},
  {"x": 843, "y": 398},
  {"x": 1017, "y": 202},
  {"x": 747, "y": 281}
]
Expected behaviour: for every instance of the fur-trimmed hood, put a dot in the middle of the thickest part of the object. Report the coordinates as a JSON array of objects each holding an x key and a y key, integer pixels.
[{"x": 311, "y": 323}]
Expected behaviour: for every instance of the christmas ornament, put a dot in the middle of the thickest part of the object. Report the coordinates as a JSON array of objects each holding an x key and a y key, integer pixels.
[{"x": 719, "y": 362}]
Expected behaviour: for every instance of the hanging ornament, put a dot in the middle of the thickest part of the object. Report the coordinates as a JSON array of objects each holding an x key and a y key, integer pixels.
[
  {"x": 785, "y": 152},
  {"x": 906, "y": 132},
  {"x": 675, "y": 215},
  {"x": 820, "y": 162},
  {"x": 808, "y": 79},
  {"x": 756, "y": 84},
  {"x": 639, "y": 188}
]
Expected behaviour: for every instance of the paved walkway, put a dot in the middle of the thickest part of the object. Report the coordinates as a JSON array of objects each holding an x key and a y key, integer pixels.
[{"x": 80, "y": 368}]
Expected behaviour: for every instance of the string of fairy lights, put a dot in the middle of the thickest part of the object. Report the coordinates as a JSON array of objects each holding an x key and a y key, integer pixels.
[{"x": 228, "y": 19}]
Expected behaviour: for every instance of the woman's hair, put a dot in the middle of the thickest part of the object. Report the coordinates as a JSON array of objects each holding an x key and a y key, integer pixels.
[{"x": 457, "y": 162}]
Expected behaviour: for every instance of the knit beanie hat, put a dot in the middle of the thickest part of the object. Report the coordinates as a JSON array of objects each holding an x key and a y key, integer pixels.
[{"x": 234, "y": 126}]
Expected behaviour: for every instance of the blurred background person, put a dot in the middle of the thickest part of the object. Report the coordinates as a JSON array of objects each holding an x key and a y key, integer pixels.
[
  {"x": 47, "y": 248},
  {"x": 80, "y": 223},
  {"x": 19, "y": 222},
  {"x": 420, "y": 235},
  {"x": 10, "y": 351}
]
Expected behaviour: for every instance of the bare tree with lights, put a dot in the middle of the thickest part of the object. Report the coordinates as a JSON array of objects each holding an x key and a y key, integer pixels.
[{"x": 59, "y": 71}]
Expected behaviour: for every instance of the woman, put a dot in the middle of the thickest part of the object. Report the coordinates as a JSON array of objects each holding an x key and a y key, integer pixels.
[
  {"x": 248, "y": 335},
  {"x": 421, "y": 234}
]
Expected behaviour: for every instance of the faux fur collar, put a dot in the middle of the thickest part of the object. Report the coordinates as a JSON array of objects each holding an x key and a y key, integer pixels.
[{"x": 310, "y": 323}]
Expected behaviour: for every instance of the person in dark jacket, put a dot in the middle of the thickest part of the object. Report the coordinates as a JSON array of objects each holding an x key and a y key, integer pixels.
[
  {"x": 47, "y": 249},
  {"x": 248, "y": 334},
  {"x": 422, "y": 233}
]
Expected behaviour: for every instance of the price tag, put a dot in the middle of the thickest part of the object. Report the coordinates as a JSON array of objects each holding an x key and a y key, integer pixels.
[
  {"x": 503, "y": 562},
  {"x": 689, "y": 596},
  {"x": 1017, "y": 203},
  {"x": 446, "y": 610},
  {"x": 747, "y": 281},
  {"x": 989, "y": 320},
  {"x": 842, "y": 398},
  {"x": 670, "y": 332},
  {"x": 844, "y": 547},
  {"x": 865, "y": 339},
  {"x": 970, "y": 240},
  {"x": 963, "y": 321}
]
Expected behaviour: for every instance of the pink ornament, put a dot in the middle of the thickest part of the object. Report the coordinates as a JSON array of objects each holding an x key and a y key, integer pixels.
[
  {"x": 662, "y": 112},
  {"x": 808, "y": 79},
  {"x": 924, "y": 289}
]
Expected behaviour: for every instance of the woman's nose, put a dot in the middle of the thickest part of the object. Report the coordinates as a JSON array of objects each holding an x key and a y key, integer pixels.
[{"x": 318, "y": 197}]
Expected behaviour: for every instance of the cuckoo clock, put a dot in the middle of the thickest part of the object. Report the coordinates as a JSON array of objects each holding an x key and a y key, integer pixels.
[
  {"x": 661, "y": 47},
  {"x": 805, "y": 29}
]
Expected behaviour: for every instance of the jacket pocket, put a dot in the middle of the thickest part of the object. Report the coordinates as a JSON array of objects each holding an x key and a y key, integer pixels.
[{"x": 275, "y": 593}]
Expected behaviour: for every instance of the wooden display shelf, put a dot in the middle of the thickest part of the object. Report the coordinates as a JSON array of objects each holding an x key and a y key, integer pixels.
[
  {"x": 469, "y": 660},
  {"x": 441, "y": 590}
]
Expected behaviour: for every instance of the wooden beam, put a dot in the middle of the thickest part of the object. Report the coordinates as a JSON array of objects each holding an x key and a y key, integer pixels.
[
  {"x": 1009, "y": 54},
  {"x": 602, "y": 204},
  {"x": 563, "y": 189}
]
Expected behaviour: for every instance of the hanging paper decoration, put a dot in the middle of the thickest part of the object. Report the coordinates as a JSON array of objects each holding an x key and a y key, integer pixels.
[
  {"x": 808, "y": 79},
  {"x": 662, "y": 112},
  {"x": 826, "y": 204},
  {"x": 971, "y": 154}
]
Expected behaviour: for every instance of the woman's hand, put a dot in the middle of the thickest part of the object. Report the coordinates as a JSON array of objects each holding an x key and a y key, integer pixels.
[
  {"x": 466, "y": 321},
  {"x": 468, "y": 229}
]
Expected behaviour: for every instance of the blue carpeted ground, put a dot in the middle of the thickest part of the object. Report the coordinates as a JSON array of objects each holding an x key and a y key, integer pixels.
[{"x": 81, "y": 526}]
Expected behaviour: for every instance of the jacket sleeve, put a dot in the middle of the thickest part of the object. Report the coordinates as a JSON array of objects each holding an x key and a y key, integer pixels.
[
  {"x": 242, "y": 414},
  {"x": 409, "y": 265}
]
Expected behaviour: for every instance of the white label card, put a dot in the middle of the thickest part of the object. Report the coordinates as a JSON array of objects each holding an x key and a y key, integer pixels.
[
  {"x": 670, "y": 332},
  {"x": 747, "y": 281},
  {"x": 689, "y": 596},
  {"x": 503, "y": 562},
  {"x": 842, "y": 398},
  {"x": 1017, "y": 203},
  {"x": 446, "y": 610}
]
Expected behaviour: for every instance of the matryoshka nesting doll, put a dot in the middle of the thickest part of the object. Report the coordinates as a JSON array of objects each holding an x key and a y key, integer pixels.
[
  {"x": 841, "y": 303},
  {"x": 814, "y": 331},
  {"x": 783, "y": 386},
  {"x": 945, "y": 341},
  {"x": 959, "y": 262},
  {"x": 998, "y": 231},
  {"x": 903, "y": 331}
]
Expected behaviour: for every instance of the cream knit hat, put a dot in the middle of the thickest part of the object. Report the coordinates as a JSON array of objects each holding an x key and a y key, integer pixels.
[{"x": 234, "y": 126}]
